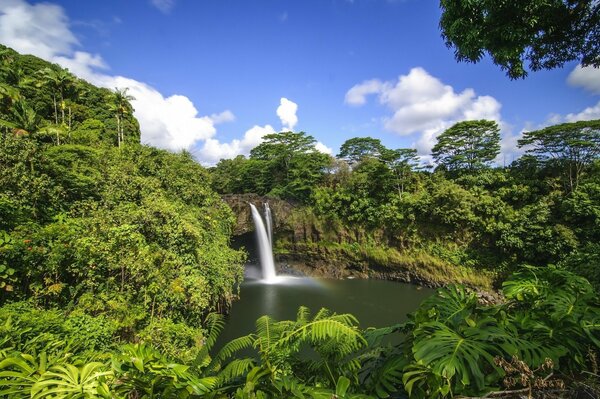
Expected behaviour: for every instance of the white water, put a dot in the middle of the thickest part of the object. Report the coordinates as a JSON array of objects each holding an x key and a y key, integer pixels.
[
  {"x": 269, "y": 220},
  {"x": 264, "y": 247}
]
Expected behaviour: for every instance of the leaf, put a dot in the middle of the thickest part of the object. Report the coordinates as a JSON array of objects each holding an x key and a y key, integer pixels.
[
  {"x": 450, "y": 353},
  {"x": 342, "y": 386}
]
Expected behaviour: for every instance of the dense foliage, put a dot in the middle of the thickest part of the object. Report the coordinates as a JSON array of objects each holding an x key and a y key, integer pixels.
[
  {"x": 114, "y": 255},
  {"x": 543, "y": 337},
  {"x": 547, "y": 34},
  {"x": 542, "y": 209},
  {"x": 130, "y": 242}
]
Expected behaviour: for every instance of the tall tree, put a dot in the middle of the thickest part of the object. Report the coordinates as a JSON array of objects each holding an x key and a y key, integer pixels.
[
  {"x": 545, "y": 33},
  {"x": 295, "y": 166},
  {"x": 402, "y": 162},
  {"x": 356, "y": 149},
  {"x": 121, "y": 107},
  {"x": 469, "y": 145},
  {"x": 575, "y": 145},
  {"x": 61, "y": 82}
]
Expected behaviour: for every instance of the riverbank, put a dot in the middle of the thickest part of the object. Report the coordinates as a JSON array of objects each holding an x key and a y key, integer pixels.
[{"x": 334, "y": 260}]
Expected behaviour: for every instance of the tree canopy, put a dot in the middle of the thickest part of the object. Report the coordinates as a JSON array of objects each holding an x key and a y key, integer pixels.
[
  {"x": 356, "y": 149},
  {"x": 546, "y": 34},
  {"x": 468, "y": 145},
  {"x": 575, "y": 145}
]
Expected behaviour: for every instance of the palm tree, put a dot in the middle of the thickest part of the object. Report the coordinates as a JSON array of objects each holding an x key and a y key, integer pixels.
[
  {"x": 121, "y": 106},
  {"x": 60, "y": 82},
  {"x": 24, "y": 118}
]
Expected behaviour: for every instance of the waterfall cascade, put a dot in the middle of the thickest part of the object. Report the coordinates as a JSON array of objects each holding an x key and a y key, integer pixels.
[
  {"x": 265, "y": 249},
  {"x": 269, "y": 220}
]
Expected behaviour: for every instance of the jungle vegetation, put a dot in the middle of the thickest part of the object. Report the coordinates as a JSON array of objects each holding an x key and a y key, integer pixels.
[
  {"x": 544, "y": 34},
  {"x": 115, "y": 258}
]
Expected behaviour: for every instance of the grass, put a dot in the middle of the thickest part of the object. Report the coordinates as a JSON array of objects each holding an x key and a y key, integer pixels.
[{"x": 417, "y": 262}]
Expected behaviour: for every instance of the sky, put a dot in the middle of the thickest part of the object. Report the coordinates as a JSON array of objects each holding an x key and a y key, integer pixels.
[{"x": 214, "y": 76}]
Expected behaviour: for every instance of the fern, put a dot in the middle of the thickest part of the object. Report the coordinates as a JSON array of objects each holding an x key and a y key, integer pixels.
[
  {"x": 235, "y": 369},
  {"x": 387, "y": 377},
  {"x": 214, "y": 323},
  {"x": 230, "y": 348}
]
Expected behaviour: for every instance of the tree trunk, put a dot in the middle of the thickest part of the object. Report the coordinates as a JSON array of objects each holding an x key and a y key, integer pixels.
[
  {"x": 118, "y": 130},
  {"x": 55, "y": 109}
]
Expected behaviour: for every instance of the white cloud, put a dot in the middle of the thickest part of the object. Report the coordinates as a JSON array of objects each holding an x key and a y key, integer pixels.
[
  {"x": 41, "y": 29},
  {"x": 587, "y": 78},
  {"x": 164, "y": 6},
  {"x": 323, "y": 148},
  {"x": 287, "y": 113},
  {"x": 421, "y": 103},
  {"x": 213, "y": 150},
  {"x": 81, "y": 63},
  {"x": 590, "y": 113},
  {"x": 358, "y": 93},
  {"x": 225, "y": 116}
]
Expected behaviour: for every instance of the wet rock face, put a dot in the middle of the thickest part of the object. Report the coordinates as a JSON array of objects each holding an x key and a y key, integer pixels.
[{"x": 280, "y": 209}]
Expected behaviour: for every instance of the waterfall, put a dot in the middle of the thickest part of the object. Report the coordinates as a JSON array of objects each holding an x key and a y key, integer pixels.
[
  {"x": 269, "y": 220},
  {"x": 264, "y": 246}
]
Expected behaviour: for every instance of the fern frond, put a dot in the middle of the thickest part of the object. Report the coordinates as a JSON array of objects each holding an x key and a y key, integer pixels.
[
  {"x": 214, "y": 324},
  {"x": 230, "y": 348},
  {"x": 236, "y": 369}
]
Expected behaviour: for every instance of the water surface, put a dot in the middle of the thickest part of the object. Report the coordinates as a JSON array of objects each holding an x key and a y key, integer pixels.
[{"x": 376, "y": 303}]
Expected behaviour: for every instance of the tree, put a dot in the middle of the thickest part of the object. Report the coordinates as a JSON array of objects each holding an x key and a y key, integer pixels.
[
  {"x": 547, "y": 34},
  {"x": 575, "y": 145},
  {"x": 121, "y": 106},
  {"x": 295, "y": 166},
  {"x": 24, "y": 119},
  {"x": 401, "y": 161},
  {"x": 468, "y": 145},
  {"x": 358, "y": 148},
  {"x": 60, "y": 81}
]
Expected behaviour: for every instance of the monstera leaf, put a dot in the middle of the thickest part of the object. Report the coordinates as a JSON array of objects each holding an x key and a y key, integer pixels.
[
  {"x": 451, "y": 305},
  {"x": 591, "y": 326},
  {"x": 525, "y": 285},
  {"x": 464, "y": 356}
]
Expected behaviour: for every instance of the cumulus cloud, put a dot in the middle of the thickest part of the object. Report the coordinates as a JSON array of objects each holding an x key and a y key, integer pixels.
[
  {"x": 287, "y": 113},
  {"x": 587, "y": 78},
  {"x": 588, "y": 114},
  {"x": 225, "y": 116},
  {"x": 357, "y": 95},
  {"x": 164, "y": 6},
  {"x": 323, "y": 148},
  {"x": 213, "y": 150},
  {"x": 40, "y": 29},
  {"x": 421, "y": 103}
]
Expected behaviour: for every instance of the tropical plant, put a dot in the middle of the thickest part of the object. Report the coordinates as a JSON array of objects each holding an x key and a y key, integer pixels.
[
  {"x": 547, "y": 34},
  {"x": 120, "y": 106}
]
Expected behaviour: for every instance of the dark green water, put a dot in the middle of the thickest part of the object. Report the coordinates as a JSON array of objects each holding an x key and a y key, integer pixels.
[{"x": 375, "y": 303}]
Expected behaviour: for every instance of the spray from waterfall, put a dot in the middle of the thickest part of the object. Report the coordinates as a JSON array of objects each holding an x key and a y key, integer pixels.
[
  {"x": 265, "y": 250},
  {"x": 269, "y": 220}
]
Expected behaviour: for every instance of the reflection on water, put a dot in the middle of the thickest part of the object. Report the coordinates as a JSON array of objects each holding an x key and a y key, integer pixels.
[{"x": 375, "y": 303}]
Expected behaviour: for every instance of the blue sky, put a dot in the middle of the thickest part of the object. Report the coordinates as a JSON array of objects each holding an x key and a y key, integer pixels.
[{"x": 215, "y": 76}]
